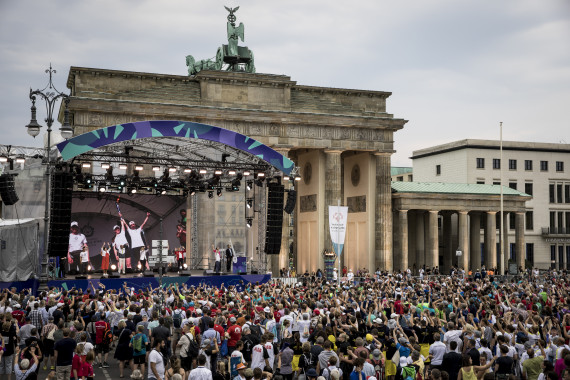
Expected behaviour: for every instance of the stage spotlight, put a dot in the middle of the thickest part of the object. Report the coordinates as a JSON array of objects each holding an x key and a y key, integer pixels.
[
  {"x": 105, "y": 165},
  {"x": 89, "y": 267},
  {"x": 210, "y": 194},
  {"x": 192, "y": 190},
  {"x": 249, "y": 185},
  {"x": 109, "y": 175},
  {"x": 113, "y": 267},
  {"x": 3, "y": 159},
  {"x": 236, "y": 183},
  {"x": 156, "y": 168},
  {"x": 286, "y": 178},
  {"x": 133, "y": 190},
  {"x": 218, "y": 172},
  {"x": 202, "y": 188},
  {"x": 248, "y": 222},
  {"x": 212, "y": 182},
  {"x": 163, "y": 192},
  {"x": 172, "y": 169},
  {"x": 102, "y": 187},
  {"x": 203, "y": 171},
  {"x": 187, "y": 170},
  {"x": 86, "y": 165},
  {"x": 249, "y": 203},
  {"x": 20, "y": 160},
  {"x": 88, "y": 182},
  {"x": 297, "y": 178},
  {"x": 139, "y": 266},
  {"x": 232, "y": 172},
  {"x": 136, "y": 178},
  {"x": 259, "y": 182},
  {"x": 219, "y": 191},
  {"x": 246, "y": 173},
  {"x": 260, "y": 175},
  {"x": 185, "y": 266},
  {"x": 123, "y": 166},
  {"x": 138, "y": 168}
]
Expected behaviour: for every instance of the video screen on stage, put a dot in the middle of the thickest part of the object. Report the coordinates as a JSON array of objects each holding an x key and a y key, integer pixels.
[{"x": 121, "y": 233}]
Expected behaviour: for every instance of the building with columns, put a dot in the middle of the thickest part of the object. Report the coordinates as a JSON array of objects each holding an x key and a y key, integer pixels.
[
  {"x": 341, "y": 139},
  {"x": 537, "y": 169}
]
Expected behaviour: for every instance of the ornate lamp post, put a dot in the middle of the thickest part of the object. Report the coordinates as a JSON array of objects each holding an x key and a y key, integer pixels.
[{"x": 49, "y": 95}]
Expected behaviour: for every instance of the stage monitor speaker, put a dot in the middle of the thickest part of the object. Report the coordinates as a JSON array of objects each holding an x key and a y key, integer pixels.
[
  {"x": 148, "y": 273},
  {"x": 254, "y": 272},
  {"x": 60, "y": 213},
  {"x": 291, "y": 201},
  {"x": 8, "y": 189},
  {"x": 274, "y": 224},
  {"x": 114, "y": 275},
  {"x": 185, "y": 273},
  {"x": 81, "y": 277},
  {"x": 208, "y": 272}
]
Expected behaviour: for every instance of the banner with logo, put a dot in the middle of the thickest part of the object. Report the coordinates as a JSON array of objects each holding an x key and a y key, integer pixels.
[{"x": 337, "y": 227}]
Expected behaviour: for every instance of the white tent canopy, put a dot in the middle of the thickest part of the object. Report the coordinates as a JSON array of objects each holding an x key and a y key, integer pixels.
[{"x": 18, "y": 249}]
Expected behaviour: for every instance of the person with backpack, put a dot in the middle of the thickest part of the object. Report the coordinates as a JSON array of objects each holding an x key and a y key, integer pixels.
[
  {"x": 249, "y": 342},
  {"x": 377, "y": 362},
  {"x": 189, "y": 348},
  {"x": 138, "y": 344},
  {"x": 103, "y": 340},
  {"x": 178, "y": 315}
]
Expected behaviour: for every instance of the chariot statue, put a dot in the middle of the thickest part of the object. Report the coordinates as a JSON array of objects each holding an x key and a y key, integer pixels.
[{"x": 230, "y": 57}]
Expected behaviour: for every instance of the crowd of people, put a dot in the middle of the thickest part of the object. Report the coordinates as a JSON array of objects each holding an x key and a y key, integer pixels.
[{"x": 386, "y": 327}]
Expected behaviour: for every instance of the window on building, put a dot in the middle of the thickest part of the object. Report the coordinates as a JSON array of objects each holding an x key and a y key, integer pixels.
[
  {"x": 437, "y": 169},
  {"x": 552, "y": 220},
  {"x": 567, "y": 220},
  {"x": 495, "y": 182},
  {"x": 530, "y": 253},
  {"x": 553, "y": 256},
  {"x": 527, "y": 164},
  {"x": 568, "y": 257},
  {"x": 560, "y": 257},
  {"x": 512, "y": 164},
  {"x": 400, "y": 178},
  {"x": 528, "y": 188},
  {"x": 551, "y": 193},
  {"x": 480, "y": 163},
  {"x": 512, "y": 251},
  {"x": 411, "y": 178},
  {"x": 513, "y": 185},
  {"x": 559, "y": 166},
  {"x": 529, "y": 221},
  {"x": 496, "y": 163},
  {"x": 511, "y": 220},
  {"x": 559, "y": 193},
  {"x": 480, "y": 182},
  {"x": 543, "y": 166},
  {"x": 560, "y": 224},
  {"x": 566, "y": 193}
]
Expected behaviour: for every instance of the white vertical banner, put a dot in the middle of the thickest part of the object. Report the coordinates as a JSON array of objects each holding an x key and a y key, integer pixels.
[{"x": 337, "y": 227}]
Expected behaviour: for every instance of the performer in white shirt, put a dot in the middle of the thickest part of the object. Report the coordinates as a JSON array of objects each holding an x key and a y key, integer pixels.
[
  {"x": 143, "y": 258},
  {"x": 84, "y": 257},
  {"x": 218, "y": 260},
  {"x": 137, "y": 240},
  {"x": 76, "y": 243}
]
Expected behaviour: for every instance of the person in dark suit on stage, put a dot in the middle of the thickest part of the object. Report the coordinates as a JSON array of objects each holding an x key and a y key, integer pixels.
[{"x": 229, "y": 258}]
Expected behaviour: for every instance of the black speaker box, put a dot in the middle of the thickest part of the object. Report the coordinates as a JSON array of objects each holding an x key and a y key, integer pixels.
[
  {"x": 185, "y": 273},
  {"x": 274, "y": 225},
  {"x": 148, "y": 273},
  {"x": 114, "y": 275},
  {"x": 81, "y": 277},
  {"x": 8, "y": 189},
  {"x": 60, "y": 213}
]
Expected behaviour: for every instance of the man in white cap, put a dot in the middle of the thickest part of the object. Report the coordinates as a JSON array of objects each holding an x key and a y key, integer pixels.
[
  {"x": 335, "y": 274},
  {"x": 77, "y": 242},
  {"x": 119, "y": 240},
  {"x": 136, "y": 235}
]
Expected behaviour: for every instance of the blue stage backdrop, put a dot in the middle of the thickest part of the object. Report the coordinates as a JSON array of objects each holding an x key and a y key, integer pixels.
[{"x": 143, "y": 282}]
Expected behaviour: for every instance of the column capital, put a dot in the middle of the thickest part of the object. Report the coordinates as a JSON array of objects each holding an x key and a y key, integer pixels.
[
  {"x": 433, "y": 211},
  {"x": 333, "y": 151},
  {"x": 464, "y": 212},
  {"x": 492, "y": 212},
  {"x": 383, "y": 154}
]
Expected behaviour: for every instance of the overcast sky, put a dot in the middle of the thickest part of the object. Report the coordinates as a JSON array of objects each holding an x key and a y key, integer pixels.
[{"x": 455, "y": 68}]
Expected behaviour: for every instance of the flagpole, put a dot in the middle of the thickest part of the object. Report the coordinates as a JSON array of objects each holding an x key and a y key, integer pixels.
[
  {"x": 501, "y": 229},
  {"x": 338, "y": 240}
]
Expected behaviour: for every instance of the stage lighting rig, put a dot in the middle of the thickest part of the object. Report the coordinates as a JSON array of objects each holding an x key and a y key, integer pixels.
[
  {"x": 219, "y": 191},
  {"x": 249, "y": 202},
  {"x": 249, "y": 185},
  {"x": 248, "y": 222},
  {"x": 210, "y": 194},
  {"x": 165, "y": 178}
]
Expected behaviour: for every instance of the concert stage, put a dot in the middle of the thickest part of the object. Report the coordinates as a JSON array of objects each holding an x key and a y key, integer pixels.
[{"x": 144, "y": 282}]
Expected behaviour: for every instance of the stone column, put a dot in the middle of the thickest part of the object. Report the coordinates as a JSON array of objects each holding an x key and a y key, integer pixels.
[
  {"x": 448, "y": 249},
  {"x": 491, "y": 240},
  {"x": 402, "y": 249},
  {"x": 432, "y": 251},
  {"x": 463, "y": 238},
  {"x": 474, "y": 241},
  {"x": 505, "y": 242},
  {"x": 420, "y": 253},
  {"x": 519, "y": 239},
  {"x": 383, "y": 214},
  {"x": 412, "y": 243},
  {"x": 333, "y": 189}
]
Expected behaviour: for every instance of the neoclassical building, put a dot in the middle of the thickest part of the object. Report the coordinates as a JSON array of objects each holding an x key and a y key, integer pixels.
[{"x": 341, "y": 139}]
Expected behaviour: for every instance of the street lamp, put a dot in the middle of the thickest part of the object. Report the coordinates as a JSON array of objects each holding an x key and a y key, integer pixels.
[{"x": 50, "y": 95}]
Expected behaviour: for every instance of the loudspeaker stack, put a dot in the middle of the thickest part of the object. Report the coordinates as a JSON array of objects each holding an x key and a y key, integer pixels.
[
  {"x": 60, "y": 213},
  {"x": 274, "y": 218}
]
